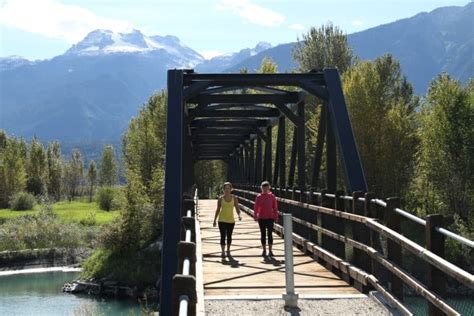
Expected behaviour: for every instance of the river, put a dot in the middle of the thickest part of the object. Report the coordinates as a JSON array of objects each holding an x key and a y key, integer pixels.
[{"x": 40, "y": 294}]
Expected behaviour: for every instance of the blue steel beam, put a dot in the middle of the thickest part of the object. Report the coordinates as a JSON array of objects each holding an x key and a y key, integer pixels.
[
  {"x": 173, "y": 188},
  {"x": 341, "y": 126}
]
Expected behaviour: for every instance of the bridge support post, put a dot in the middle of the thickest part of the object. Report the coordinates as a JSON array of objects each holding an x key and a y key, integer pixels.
[
  {"x": 394, "y": 250},
  {"x": 268, "y": 156},
  {"x": 291, "y": 298},
  {"x": 173, "y": 187},
  {"x": 435, "y": 244}
]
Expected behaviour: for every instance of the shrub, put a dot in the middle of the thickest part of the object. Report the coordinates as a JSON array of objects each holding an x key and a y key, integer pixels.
[
  {"x": 42, "y": 230},
  {"x": 22, "y": 201},
  {"x": 138, "y": 268},
  {"x": 105, "y": 198},
  {"x": 90, "y": 219}
]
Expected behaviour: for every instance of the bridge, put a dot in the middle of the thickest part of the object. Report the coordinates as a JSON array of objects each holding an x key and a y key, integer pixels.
[{"x": 346, "y": 241}]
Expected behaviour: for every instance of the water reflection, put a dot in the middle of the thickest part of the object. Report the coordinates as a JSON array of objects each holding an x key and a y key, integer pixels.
[{"x": 40, "y": 294}]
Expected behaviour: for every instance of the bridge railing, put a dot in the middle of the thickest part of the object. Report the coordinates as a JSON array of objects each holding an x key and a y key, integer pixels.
[
  {"x": 332, "y": 234},
  {"x": 184, "y": 283}
]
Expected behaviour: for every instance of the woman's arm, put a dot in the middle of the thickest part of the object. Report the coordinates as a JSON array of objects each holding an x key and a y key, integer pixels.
[
  {"x": 275, "y": 208},
  {"x": 236, "y": 205},
  {"x": 256, "y": 207},
  {"x": 218, "y": 209}
]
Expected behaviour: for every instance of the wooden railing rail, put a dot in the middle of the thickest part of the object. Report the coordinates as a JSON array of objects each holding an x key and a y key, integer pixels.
[{"x": 433, "y": 292}]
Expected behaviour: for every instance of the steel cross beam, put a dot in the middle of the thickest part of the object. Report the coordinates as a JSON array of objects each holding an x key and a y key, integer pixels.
[
  {"x": 270, "y": 112},
  {"x": 229, "y": 123},
  {"x": 255, "y": 79},
  {"x": 205, "y": 99}
]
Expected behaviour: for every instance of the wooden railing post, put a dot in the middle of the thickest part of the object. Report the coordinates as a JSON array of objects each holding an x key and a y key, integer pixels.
[
  {"x": 187, "y": 204},
  {"x": 339, "y": 225},
  {"x": 374, "y": 239},
  {"x": 295, "y": 196},
  {"x": 435, "y": 244},
  {"x": 394, "y": 250},
  {"x": 330, "y": 222},
  {"x": 326, "y": 242},
  {"x": 313, "y": 218},
  {"x": 361, "y": 259}
]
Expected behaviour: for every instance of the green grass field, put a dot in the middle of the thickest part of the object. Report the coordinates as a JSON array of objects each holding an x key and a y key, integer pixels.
[{"x": 68, "y": 212}]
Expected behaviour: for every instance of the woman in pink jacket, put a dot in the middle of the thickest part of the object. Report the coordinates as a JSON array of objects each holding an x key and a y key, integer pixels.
[{"x": 266, "y": 213}]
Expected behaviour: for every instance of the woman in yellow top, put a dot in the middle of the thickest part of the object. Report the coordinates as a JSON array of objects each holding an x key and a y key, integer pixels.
[{"x": 225, "y": 205}]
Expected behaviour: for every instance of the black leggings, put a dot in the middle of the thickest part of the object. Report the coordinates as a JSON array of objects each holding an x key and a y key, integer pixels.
[
  {"x": 266, "y": 228},
  {"x": 226, "y": 230}
]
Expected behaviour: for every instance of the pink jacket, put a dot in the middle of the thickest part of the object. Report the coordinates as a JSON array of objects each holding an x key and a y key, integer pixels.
[{"x": 265, "y": 207}]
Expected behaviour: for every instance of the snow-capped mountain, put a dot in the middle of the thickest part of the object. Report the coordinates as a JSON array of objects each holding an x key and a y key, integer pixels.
[
  {"x": 102, "y": 42},
  {"x": 11, "y": 62},
  {"x": 224, "y": 62},
  {"x": 92, "y": 91}
]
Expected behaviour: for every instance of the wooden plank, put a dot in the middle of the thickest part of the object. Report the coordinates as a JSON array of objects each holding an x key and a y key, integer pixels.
[{"x": 247, "y": 273}]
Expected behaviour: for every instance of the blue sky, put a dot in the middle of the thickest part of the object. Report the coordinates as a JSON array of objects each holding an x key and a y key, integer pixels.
[{"x": 39, "y": 29}]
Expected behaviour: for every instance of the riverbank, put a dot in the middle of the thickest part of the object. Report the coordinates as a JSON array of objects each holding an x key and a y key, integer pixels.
[
  {"x": 112, "y": 289},
  {"x": 42, "y": 258},
  {"x": 40, "y": 270}
]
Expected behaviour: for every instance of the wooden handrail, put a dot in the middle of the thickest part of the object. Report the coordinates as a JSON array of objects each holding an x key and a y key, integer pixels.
[
  {"x": 373, "y": 253},
  {"x": 403, "y": 213},
  {"x": 457, "y": 273},
  {"x": 355, "y": 272},
  {"x": 320, "y": 209},
  {"x": 442, "y": 264}
]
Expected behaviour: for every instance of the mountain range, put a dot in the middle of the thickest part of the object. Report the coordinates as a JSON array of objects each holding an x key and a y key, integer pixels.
[{"x": 90, "y": 92}]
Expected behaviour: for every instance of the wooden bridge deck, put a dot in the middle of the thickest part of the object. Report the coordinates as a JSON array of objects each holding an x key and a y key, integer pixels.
[{"x": 247, "y": 274}]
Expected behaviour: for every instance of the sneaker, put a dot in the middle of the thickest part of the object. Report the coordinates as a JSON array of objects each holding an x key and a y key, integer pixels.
[
  {"x": 264, "y": 253},
  {"x": 270, "y": 254}
]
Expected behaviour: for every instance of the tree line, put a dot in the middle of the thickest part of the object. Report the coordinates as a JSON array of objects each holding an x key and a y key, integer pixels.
[
  {"x": 44, "y": 171},
  {"x": 418, "y": 148}
]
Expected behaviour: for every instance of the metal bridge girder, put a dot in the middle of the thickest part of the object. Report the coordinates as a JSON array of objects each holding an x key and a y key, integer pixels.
[{"x": 230, "y": 122}]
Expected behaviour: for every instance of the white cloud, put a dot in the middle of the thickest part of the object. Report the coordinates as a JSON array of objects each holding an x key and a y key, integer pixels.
[
  {"x": 297, "y": 26},
  {"x": 252, "y": 13},
  {"x": 357, "y": 23},
  {"x": 211, "y": 54},
  {"x": 53, "y": 19}
]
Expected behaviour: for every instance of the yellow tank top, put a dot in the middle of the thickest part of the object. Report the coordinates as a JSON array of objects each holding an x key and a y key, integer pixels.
[{"x": 226, "y": 214}]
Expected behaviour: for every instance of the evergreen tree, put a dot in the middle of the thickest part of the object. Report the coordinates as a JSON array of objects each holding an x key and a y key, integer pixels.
[
  {"x": 144, "y": 147},
  {"x": 382, "y": 111},
  {"x": 325, "y": 47},
  {"x": 55, "y": 167},
  {"x": 12, "y": 168},
  {"x": 268, "y": 66},
  {"x": 209, "y": 174},
  {"x": 108, "y": 167},
  {"x": 3, "y": 140},
  {"x": 36, "y": 168},
  {"x": 73, "y": 175},
  {"x": 92, "y": 178},
  {"x": 444, "y": 181}
]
